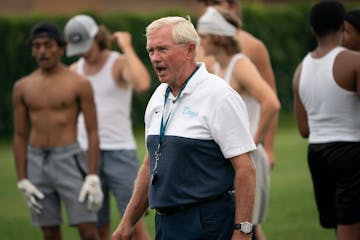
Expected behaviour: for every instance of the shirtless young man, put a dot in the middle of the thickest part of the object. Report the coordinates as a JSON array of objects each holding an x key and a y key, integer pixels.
[{"x": 50, "y": 165}]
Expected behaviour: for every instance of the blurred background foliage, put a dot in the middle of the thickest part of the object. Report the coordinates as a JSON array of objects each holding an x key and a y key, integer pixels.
[{"x": 282, "y": 27}]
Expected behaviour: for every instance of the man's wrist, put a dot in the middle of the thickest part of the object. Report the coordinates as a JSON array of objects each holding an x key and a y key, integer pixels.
[
  {"x": 239, "y": 235},
  {"x": 22, "y": 182},
  {"x": 92, "y": 178},
  {"x": 244, "y": 227}
]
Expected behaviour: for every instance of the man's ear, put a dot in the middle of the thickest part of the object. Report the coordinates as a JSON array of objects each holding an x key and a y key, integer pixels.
[
  {"x": 312, "y": 32},
  {"x": 191, "y": 50},
  {"x": 62, "y": 50},
  {"x": 343, "y": 27}
]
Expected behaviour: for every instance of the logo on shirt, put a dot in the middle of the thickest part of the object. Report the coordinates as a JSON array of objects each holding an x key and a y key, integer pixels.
[{"x": 188, "y": 113}]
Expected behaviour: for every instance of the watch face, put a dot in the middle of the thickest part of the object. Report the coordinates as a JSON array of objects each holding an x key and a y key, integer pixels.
[{"x": 246, "y": 227}]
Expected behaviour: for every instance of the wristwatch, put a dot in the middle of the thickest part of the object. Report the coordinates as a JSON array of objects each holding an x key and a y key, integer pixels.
[{"x": 244, "y": 227}]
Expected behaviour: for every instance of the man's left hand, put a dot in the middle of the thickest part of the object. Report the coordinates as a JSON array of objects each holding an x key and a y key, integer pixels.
[{"x": 92, "y": 189}]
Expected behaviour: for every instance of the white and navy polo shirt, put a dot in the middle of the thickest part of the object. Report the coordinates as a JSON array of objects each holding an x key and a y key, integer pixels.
[{"x": 208, "y": 124}]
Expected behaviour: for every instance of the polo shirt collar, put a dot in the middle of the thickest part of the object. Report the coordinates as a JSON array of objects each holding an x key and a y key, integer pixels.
[{"x": 195, "y": 79}]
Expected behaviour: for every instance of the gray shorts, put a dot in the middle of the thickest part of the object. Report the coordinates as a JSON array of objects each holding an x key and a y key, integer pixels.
[
  {"x": 262, "y": 184},
  {"x": 59, "y": 173},
  {"x": 118, "y": 171}
]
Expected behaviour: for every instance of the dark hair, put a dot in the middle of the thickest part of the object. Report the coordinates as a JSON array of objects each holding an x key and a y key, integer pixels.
[
  {"x": 230, "y": 17},
  {"x": 327, "y": 17},
  {"x": 229, "y": 44},
  {"x": 353, "y": 17},
  {"x": 48, "y": 30},
  {"x": 103, "y": 38}
]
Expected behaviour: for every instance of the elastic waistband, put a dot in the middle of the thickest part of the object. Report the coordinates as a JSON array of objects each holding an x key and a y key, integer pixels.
[
  {"x": 175, "y": 209},
  {"x": 74, "y": 147}
]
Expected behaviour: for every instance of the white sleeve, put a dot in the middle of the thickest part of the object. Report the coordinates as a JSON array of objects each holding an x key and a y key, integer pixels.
[{"x": 229, "y": 126}]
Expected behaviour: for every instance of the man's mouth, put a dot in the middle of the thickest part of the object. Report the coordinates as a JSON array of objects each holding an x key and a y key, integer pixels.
[
  {"x": 160, "y": 70},
  {"x": 43, "y": 59}
]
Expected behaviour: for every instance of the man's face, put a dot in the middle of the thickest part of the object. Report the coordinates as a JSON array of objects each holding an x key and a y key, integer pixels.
[
  {"x": 351, "y": 37},
  {"x": 47, "y": 52},
  {"x": 167, "y": 58},
  {"x": 92, "y": 54}
]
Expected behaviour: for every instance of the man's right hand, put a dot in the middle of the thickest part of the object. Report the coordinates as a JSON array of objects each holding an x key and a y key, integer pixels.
[
  {"x": 31, "y": 194},
  {"x": 123, "y": 231}
]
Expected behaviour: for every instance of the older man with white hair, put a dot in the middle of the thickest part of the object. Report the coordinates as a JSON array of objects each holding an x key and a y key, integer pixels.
[{"x": 198, "y": 146}]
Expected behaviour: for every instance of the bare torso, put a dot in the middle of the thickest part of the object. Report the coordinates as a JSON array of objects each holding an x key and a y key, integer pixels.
[{"x": 52, "y": 105}]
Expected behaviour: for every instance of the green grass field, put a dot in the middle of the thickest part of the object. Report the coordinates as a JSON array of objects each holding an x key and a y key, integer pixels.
[{"x": 291, "y": 216}]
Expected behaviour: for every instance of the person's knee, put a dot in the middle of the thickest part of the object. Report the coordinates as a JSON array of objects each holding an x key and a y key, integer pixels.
[
  {"x": 104, "y": 231},
  {"x": 88, "y": 232},
  {"x": 89, "y": 235},
  {"x": 348, "y": 232},
  {"x": 52, "y": 233}
]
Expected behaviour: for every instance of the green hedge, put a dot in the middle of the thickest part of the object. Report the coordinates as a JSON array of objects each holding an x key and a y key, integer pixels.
[
  {"x": 285, "y": 32},
  {"x": 283, "y": 28}
]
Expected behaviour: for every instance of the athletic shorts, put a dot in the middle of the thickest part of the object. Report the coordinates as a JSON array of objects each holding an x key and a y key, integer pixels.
[
  {"x": 59, "y": 172},
  {"x": 335, "y": 172},
  {"x": 212, "y": 220},
  {"x": 118, "y": 171},
  {"x": 262, "y": 184}
]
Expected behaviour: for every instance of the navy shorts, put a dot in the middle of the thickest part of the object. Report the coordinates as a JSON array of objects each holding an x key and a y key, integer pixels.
[
  {"x": 211, "y": 220},
  {"x": 335, "y": 171}
]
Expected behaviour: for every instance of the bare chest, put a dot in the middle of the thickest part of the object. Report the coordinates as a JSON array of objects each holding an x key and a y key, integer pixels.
[{"x": 50, "y": 96}]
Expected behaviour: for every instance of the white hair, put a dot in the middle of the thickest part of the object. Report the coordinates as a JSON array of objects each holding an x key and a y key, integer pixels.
[{"x": 183, "y": 30}]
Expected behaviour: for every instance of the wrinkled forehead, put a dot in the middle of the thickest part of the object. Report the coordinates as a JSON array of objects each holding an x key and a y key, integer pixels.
[{"x": 159, "y": 36}]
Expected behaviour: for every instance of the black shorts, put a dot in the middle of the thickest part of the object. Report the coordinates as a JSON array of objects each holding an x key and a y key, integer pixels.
[{"x": 335, "y": 171}]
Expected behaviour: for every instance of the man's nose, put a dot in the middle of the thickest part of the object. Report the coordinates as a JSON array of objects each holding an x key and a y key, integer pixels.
[
  {"x": 155, "y": 57},
  {"x": 42, "y": 48}
]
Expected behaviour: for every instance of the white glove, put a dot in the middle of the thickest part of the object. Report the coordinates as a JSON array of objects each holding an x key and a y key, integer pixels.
[
  {"x": 92, "y": 189},
  {"x": 31, "y": 193}
]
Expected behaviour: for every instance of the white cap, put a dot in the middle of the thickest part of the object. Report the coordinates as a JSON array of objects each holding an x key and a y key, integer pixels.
[{"x": 79, "y": 34}]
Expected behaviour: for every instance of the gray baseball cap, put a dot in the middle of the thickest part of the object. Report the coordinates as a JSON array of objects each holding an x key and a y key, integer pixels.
[{"x": 79, "y": 34}]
